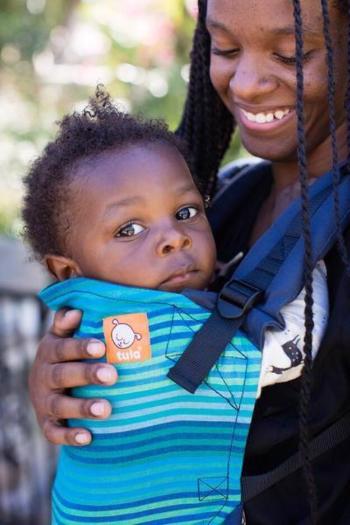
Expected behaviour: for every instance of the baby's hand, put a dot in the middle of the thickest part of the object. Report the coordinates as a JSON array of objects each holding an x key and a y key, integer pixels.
[{"x": 56, "y": 368}]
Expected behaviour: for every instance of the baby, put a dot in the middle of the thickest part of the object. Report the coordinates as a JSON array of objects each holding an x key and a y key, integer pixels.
[
  {"x": 113, "y": 211},
  {"x": 113, "y": 199}
]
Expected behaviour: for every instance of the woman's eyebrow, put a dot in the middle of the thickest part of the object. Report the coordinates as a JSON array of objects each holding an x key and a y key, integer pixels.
[
  {"x": 215, "y": 24},
  {"x": 288, "y": 30}
]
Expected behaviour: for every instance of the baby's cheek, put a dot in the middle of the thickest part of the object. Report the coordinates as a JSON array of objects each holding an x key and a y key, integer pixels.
[
  {"x": 142, "y": 271},
  {"x": 207, "y": 252}
]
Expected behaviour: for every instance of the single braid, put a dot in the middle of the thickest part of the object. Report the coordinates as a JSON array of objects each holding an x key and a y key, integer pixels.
[
  {"x": 347, "y": 99},
  {"x": 306, "y": 384},
  {"x": 206, "y": 124},
  {"x": 333, "y": 130}
]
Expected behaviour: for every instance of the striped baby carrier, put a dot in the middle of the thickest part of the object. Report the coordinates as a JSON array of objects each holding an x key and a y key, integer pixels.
[
  {"x": 164, "y": 455},
  {"x": 172, "y": 450}
]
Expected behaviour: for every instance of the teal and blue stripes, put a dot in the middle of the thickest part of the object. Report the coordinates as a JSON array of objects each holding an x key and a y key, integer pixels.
[{"x": 164, "y": 455}]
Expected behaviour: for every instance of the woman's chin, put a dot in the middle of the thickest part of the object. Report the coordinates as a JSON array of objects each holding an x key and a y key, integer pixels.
[{"x": 274, "y": 151}]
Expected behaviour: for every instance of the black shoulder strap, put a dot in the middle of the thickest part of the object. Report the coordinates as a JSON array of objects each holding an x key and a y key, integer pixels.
[
  {"x": 252, "y": 486},
  {"x": 235, "y": 299}
]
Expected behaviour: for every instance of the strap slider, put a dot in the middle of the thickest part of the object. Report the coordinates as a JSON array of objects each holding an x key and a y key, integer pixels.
[{"x": 237, "y": 298}]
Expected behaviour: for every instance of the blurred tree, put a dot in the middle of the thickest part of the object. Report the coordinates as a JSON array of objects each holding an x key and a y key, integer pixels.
[
  {"x": 26, "y": 25},
  {"x": 52, "y": 55}
]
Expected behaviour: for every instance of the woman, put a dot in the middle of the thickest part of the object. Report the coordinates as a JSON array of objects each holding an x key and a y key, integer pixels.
[{"x": 263, "y": 67}]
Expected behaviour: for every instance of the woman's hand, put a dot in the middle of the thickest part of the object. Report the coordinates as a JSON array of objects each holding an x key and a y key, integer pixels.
[{"x": 57, "y": 367}]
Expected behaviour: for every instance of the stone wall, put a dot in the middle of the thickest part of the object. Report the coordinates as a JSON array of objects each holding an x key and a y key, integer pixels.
[{"x": 27, "y": 461}]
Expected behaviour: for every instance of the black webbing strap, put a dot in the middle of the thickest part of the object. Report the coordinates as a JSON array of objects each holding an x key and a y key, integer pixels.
[
  {"x": 193, "y": 366},
  {"x": 234, "y": 301},
  {"x": 191, "y": 369},
  {"x": 252, "y": 486}
]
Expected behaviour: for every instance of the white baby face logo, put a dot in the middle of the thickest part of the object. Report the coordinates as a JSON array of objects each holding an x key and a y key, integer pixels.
[
  {"x": 127, "y": 338},
  {"x": 123, "y": 335}
]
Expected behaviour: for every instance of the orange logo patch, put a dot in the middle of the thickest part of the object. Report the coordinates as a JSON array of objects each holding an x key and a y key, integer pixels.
[{"x": 127, "y": 338}]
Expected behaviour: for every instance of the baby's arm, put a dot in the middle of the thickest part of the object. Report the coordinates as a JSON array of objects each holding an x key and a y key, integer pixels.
[{"x": 56, "y": 368}]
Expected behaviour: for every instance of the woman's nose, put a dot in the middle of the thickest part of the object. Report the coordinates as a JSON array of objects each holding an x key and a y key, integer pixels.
[
  {"x": 250, "y": 82},
  {"x": 172, "y": 240}
]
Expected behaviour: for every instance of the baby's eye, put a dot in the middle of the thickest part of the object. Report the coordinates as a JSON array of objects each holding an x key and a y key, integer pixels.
[
  {"x": 130, "y": 229},
  {"x": 187, "y": 212}
]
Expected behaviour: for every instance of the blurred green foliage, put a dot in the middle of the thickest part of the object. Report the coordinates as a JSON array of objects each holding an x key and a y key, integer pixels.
[
  {"x": 27, "y": 25},
  {"x": 52, "y": 55}
]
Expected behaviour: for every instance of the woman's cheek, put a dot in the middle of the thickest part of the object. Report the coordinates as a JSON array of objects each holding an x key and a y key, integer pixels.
[{"x": 220, "y": 76}]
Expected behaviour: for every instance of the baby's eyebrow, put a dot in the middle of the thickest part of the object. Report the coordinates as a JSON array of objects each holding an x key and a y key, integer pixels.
[
  {"x": 122, "y": 203},
  {"x": 186, "y": 188}
]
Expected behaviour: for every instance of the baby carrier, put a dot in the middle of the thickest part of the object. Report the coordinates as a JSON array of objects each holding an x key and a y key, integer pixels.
[{"x": 173, "y": 448}]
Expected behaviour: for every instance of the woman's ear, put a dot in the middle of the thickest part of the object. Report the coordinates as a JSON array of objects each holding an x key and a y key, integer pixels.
[{"x": 62, "y": 267}]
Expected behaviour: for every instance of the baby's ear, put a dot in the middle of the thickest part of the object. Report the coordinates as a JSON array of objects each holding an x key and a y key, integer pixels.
[{"x": 62, "y": 267}]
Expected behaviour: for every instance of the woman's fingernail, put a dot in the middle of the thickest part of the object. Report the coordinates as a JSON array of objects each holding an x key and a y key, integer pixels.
[
  {"x": 70, "y": 313},
  {"x": 95, "y": 348},
  {"x": 97, "y": 409},
  {"x": 105, "y": 375},
  {"x": 82, "y": 438}
]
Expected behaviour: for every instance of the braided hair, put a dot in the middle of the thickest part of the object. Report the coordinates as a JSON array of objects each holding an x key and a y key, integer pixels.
[
  {"x": 207, "y": 126},
  {"x": 332, "y": 122},
  {"x": 306, "y": 385},
  {"x": 346, "y": 9}
]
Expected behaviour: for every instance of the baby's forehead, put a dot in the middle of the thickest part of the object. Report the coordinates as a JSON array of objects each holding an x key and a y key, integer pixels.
[
  {"x": 129, "y": 155},
  {"x": 141, "y": 170}
]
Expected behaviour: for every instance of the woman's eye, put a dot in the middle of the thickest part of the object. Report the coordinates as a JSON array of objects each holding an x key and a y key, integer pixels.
[
  {"x": 130, "y": 230},
  {"x": 291, "y": 61},
  {"x": 187, "y": 212},
  {"x": 225, "y": 52}
]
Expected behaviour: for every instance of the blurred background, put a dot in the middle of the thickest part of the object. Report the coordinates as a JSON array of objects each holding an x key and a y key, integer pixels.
[{"x": 52, "y": 55}]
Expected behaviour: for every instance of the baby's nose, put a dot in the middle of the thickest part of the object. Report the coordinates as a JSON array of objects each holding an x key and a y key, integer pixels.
[{"x": 173, "y": 240}]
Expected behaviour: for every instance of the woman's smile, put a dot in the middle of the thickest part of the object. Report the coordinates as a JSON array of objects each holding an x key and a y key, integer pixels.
[{"x": 263, "y": 120}]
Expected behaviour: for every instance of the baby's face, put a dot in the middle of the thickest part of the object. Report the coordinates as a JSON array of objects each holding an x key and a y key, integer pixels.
[{"x": 139, "y": 220}]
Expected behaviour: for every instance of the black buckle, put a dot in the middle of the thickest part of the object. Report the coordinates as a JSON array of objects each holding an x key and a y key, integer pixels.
[{"x": 237, "y": 298}]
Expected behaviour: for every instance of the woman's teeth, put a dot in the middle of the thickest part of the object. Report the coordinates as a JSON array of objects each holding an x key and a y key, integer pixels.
[{"x": 263, "y": 118}]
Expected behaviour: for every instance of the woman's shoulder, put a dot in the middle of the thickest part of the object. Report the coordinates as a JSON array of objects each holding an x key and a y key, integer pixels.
[
  {"x": 240, "y": 167},
  {"x": 238, "y": 180},
  {"x": 242, "y": 187}
]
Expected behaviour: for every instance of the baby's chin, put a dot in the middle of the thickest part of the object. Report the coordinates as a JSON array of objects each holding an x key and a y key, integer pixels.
[{"x": 196, "y": 280}]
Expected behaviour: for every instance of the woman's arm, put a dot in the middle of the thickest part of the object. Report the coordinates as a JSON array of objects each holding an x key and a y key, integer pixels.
[{"x": 56, "y": 368}]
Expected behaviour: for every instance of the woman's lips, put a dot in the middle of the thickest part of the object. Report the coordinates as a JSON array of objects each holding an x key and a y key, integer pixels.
[{"x": 264, "y": 121}]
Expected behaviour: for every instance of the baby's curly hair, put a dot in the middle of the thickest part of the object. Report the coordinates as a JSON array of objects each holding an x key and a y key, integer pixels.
[{"x": 98, "y": 128}]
